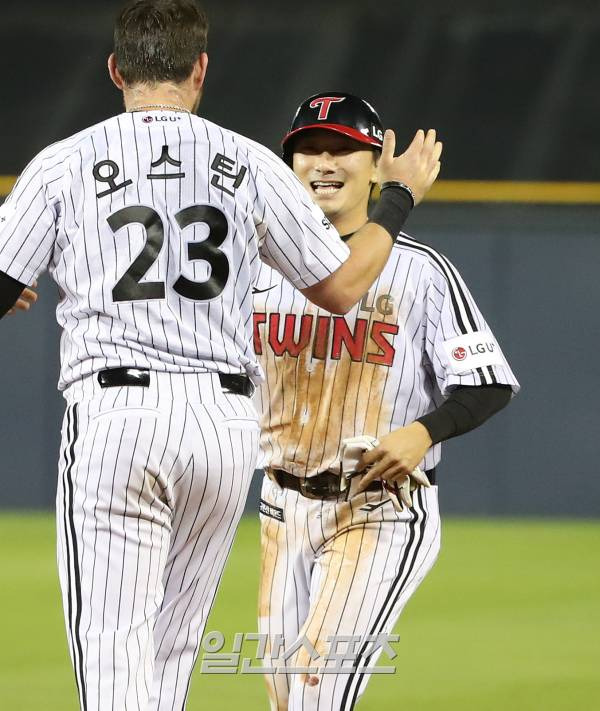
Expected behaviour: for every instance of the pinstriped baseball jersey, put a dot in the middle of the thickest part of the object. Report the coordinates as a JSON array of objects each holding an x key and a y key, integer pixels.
[
  {"x": 417, "y": 334},
  {"x": 152, "y": 224}
]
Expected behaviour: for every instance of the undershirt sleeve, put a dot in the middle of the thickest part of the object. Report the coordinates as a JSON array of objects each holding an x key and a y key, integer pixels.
[{"x": 466, "y": 408}]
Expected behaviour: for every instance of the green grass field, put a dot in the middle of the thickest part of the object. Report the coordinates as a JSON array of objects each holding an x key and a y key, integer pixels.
[{"x": 508, "y": 618}]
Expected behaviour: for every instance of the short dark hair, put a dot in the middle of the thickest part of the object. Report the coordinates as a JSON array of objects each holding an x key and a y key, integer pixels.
[{"x": 159, "y": 40}]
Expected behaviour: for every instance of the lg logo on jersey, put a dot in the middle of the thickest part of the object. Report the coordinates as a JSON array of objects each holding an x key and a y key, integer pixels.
[
  {"x": 461, "y": 353},
  {"x": 383, "y": 304},
  {"x": 164, "y": 119}
]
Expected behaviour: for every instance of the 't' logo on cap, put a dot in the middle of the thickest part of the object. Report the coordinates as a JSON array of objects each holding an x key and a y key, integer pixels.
[{"x": 325, "y": 103}]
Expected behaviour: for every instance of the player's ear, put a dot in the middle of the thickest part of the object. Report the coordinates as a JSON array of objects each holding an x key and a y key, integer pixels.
[
  {"x": 115, "y": 75},
  {"x": 199, "y": 71},
  {"x": 376, "y": 157}
]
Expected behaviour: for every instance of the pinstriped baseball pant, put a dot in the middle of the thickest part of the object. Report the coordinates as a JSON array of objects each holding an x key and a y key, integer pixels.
[
  {"x": 152, "y": 484},
  {"x": 337, "y": 568}
]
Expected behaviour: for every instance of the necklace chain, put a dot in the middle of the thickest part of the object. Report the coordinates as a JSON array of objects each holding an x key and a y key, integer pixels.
[{"x": 171, "y": 107}]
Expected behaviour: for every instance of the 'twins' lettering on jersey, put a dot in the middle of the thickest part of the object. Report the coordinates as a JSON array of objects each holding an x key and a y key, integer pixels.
[{"x": 367, "y": 339}]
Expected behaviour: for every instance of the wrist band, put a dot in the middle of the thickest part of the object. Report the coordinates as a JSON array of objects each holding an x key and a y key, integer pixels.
[
  {"x": 394, "y": 206},
  {"x": 398, "y": 184}
]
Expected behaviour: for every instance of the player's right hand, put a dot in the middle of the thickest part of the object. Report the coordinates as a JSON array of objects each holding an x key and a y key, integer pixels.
[
  {"x": 397, "y": 456},
  {"x": 417, "y": 167},
  {"x": 26, "y": 300}
]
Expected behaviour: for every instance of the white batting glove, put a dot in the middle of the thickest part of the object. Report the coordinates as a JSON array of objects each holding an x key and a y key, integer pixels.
[
  {"x": 352, "y": 450},
  {"x": 350, "y": 453},
  {"x": 400, "y": 491}
]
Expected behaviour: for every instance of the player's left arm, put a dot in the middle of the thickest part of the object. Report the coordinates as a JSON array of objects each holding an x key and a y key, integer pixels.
[
  {"x": 470, "y": 369},
  {"x": 400, "y": 451}
]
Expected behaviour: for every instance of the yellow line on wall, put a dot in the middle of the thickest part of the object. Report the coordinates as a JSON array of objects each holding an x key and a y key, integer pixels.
[
  {"x": 480, "y": 191},
  {"x": 512, "y": 191},
  {"x": 509, "y": 191},
  {"x": 6, "y": 183}
]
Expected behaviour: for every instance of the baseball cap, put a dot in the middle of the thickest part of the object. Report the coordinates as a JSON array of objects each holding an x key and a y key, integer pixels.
[{"x": 336, "y": 111}]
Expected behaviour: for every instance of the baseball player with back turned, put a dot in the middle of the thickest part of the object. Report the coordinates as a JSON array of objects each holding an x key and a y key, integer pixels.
[
  {"x": 344, "y": 541},
  {"x": 153, "y": 224}
]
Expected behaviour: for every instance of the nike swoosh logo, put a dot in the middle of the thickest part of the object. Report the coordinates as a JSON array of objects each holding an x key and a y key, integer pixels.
[
  {"x": 369, "y": 508},
  {"x": 262, "y": 291}
]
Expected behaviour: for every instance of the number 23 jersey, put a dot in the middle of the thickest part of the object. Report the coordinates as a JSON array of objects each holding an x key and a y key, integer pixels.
[{"x": 153, "y": 225}]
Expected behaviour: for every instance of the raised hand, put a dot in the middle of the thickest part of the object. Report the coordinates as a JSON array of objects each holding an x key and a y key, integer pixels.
[{"x": 417, "y": 167}]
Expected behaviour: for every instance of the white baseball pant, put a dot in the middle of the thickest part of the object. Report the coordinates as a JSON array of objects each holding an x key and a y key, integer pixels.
[
  {"x": 152, "y": 484},
  {"x": 331, "y": 568}
]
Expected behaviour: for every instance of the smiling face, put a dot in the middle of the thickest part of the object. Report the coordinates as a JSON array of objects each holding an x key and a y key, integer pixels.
[{"x": 338, "y": 173}]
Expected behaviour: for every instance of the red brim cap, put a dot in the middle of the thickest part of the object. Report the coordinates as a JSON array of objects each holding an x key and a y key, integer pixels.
[{"x": 338, "y": 128}]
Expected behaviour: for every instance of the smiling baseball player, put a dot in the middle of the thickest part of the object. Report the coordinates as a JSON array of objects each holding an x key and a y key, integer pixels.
[
  {"x": 413, "y": 364},
  {"x": 153, "y": 224}
]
